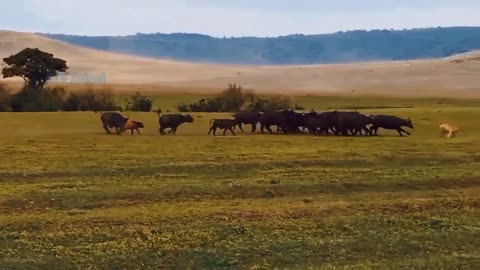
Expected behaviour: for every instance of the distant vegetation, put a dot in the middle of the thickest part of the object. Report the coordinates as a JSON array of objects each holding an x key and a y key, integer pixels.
[
  {"x": 139, "y": 103},
  {"x": 36, "y": 68},
  {"x": 234, "y": 99},
  {"x": 294, "y": 49}
]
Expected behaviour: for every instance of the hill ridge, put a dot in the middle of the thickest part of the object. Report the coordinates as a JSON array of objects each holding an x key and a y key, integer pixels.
[
  {"x": 339, "y": 47},
  {"x": 455, "y": 76}
]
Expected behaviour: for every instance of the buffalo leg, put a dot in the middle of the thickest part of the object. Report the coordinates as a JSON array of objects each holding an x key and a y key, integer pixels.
[
  {"x": 233, "y": 133},
  {"x": 408, "y": 133},
  {"x": 224, "y": 132},
  {"x": 131, "y": 131},
  {"x": 254, "y": 128},
  {"x": 138, "y": 131},
  {"x": 269, "y": 129},
  {"x": 240, "y": 127},
  {"x": 367, "y": 132},
  {"x": 105, "y": 126}
]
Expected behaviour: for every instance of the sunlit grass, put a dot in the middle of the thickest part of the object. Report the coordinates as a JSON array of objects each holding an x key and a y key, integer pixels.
[{"x": 73, "y": 197}]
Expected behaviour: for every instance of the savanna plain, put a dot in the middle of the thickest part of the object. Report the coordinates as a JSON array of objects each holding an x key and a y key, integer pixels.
[{"x": 72, "y": 197}]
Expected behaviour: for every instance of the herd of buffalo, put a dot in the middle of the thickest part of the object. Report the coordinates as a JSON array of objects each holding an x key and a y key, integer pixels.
[{"x": 343, "y": 123}]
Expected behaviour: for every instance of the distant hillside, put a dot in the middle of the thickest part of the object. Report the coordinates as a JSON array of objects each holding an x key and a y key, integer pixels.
[
  {"x": 455, "y": 76},
  {"x": 353, "y": 46}
]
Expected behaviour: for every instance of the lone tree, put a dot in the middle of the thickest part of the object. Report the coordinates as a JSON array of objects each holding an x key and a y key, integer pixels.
[{"x": 36, "y": 67}]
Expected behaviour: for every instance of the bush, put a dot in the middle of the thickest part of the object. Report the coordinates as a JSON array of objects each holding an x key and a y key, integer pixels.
[
  {"x": 183, "y": 108},
  {"x": 203, "y": 105},
  {"x": 90, "y": 100},
  {"x": 4, "y": 98},
  {"x": 34, "y": 100},
  {"x": 271, "y": 103},
  {"x": 139, "y": 103},
  {"x": 72, "y": 103},
  {"x": 232, "y": 98}
]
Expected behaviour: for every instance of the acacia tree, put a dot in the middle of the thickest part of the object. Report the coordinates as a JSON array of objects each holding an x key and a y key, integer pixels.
[{"x": 34, "y": 66}]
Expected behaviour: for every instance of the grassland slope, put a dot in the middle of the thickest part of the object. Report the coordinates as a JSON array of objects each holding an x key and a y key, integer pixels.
[{"x": 455, "y": 76}]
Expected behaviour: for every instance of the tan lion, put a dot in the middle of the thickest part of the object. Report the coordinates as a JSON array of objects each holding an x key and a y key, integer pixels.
[{"x": 448, "y": 129}]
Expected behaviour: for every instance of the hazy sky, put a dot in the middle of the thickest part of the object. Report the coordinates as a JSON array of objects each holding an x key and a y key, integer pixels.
[{"x": 232, "y": 17}]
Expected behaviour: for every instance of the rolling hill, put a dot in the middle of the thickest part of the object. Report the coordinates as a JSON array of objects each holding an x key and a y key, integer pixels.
[
  {"x": 453, "y": 76},
  {"x": 341, "y": 47}
]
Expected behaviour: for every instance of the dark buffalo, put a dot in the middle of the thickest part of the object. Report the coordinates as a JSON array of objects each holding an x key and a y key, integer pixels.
[
  {"x": 304, "y": 118},
  {"x": 331, "y": 120},
  {"x": 173, "y": 121},
  {"x": 317, "y": 124},
  {"x": 287, "y": 121},
  {"x": 389, "y": 122},
  {"x": 346, "y": 123},
  {"x": 273, "y": 118},
  {"x": 112, "y": 120},
  {"x": 225, "y": 124},
  {"x": 248, "y": 118},
  {"x": 293, "y": 121},
  {"x": 354, "y": 123}
]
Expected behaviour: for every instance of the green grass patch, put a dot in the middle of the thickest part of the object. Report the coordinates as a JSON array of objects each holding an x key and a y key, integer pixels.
[{"x": 73, "y": 197}]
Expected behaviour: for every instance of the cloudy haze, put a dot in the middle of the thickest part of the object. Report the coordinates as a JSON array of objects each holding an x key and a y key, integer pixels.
[{"x": 232, "y": 18}]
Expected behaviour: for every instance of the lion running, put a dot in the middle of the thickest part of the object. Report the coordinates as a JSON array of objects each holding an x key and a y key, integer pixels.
[{"x": 448, "y": 129}]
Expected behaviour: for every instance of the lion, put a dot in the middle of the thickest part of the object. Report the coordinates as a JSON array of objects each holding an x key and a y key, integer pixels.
[{"x": 448, "y": 129}]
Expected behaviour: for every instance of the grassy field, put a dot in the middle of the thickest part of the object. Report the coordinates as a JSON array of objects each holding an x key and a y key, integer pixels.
[{"x": 72, "y": 197}]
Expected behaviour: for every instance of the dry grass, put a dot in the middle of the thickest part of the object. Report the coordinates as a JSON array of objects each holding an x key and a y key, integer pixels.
[{"x": 451, "y": 77}]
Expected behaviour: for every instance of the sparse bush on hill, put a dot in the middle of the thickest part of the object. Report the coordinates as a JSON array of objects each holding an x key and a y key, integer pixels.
[{"x": 139, "y": 103}]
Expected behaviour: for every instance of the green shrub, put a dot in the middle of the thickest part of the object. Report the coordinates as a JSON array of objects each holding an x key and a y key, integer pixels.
[
  {"x": 270, "y": 103},
  {"x": 34, "y": 100},
  {"x": 232, "y": 98},
  {"x": 90, "y": 100},
  {"x": 139, "y": 103},
  {"x": 203, "y": 105}
]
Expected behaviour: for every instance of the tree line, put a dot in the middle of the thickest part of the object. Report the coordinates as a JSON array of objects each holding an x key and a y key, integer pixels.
[
  {"x": 235, "y": 99},
  {"x": 338, "y": 47}
]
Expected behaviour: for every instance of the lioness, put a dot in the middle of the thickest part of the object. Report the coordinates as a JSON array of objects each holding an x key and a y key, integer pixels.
[{"x": 448, "y": 129}]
